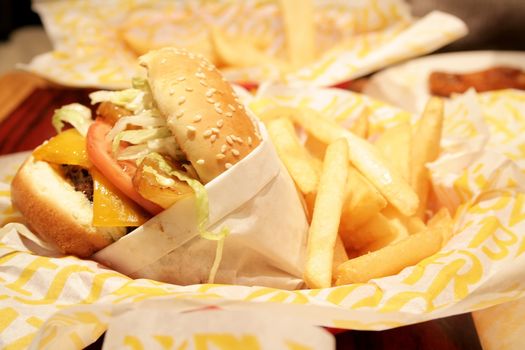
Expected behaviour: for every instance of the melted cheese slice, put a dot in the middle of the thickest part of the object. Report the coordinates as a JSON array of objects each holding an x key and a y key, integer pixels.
[{"x": 110, "y": 207}]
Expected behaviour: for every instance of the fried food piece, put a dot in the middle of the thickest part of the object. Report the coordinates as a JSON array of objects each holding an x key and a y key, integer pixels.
[{"x": 496, "y": 78}]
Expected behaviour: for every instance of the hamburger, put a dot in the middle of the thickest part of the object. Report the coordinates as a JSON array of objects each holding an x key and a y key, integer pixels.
[{"x": 147, "y": 148}]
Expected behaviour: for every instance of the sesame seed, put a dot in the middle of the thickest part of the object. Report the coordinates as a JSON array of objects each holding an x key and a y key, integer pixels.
[
  {"x": 213, "y": 138},
  {"x": 207, "y": 133},
  {"x": 182, "y": 99},
  {"x": 229, "y": 114},
  {"x": 218, "y": 110},
  {"x": 228, "y": 165},
  {"x": 224, "y": 148},
  {"x": 180, "y": 113},
  {"x": 197, "y": 118},
  {"x": 220, "y": 156},
  {"x": 189, "y": 88},
  {"x": 191, "y": 131},
  {"x": 220, "y": 123},
  {"x": 217, "y": 104},
  {"x": 210, "y": 100},
  {"x": 181, "y": 78},
  {"x": 235, "y": 152},
  {"x": 231, "y": 107},
  {"x": 250, "y": 141},
  {"x": 200, "y": 74},
  {"x": 162, "y": 61},
  {"x": 215, "y": 130},
  {"x": 203, "y": 83},
  {"x": 239, "y": 140},
  {"x": 171, "y": 91},
  {"x": 200, "y": 161},
  {"x": 229, "y": 140},
  {"x": 240, "y": 106},
  {"x": 210, "y": 92}
]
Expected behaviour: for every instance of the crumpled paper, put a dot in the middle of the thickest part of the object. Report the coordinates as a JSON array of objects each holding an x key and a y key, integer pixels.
[
  {"x": 255, "y": 200},
  {"x": 352, "y": 38},
  {"x": 481, "y": 266}
]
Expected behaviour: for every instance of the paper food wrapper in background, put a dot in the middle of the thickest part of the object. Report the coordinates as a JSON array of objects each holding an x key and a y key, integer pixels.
[
  {"x": 256, "y": 200},
  {"x": 96, "y": 43},
  {"x": 480, "y": 173}
]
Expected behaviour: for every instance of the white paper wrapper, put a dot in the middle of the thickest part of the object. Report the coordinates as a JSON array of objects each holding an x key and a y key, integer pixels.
[
  {"x": 353, "y": 38},
  {"x": 480, "y": 172},
  {"x": 256, "y": 200},
  {"x": 178, "y": 325}
]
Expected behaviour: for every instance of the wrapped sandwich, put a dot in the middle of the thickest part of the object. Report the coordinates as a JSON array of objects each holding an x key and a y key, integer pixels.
[{"x": 179, "y": 157}]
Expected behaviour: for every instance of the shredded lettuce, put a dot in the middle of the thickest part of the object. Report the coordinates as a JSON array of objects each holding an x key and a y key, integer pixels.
[
  {"x": 131, "y": 99},
  {"x": 77, "y": 115},
  {"x": 152, "y": 134},
  {"x": 202, "y": 204},
  {"x": 140, "y": 136}
]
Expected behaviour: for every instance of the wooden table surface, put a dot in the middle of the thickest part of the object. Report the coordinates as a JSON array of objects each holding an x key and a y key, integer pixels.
[{"x": 26, "y": 106}]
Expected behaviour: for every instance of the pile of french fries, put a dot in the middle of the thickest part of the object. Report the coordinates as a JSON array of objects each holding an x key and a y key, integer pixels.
[
  {"x": 221, "y": 47},
  {"x": 367, "y": 202}
]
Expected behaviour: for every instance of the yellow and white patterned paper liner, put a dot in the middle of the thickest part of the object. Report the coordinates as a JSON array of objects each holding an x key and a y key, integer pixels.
[
  {"x": 352, "y": 38},
  {"x": 482, "y": 265}
]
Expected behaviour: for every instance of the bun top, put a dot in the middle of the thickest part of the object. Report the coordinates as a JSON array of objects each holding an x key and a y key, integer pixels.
[{"x": 203, "y": 112}]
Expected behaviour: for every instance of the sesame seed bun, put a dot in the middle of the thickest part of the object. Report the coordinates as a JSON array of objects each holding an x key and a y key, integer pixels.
[
  {"x": 203, "y": 112},
  {"x": 56, "y": 212}
]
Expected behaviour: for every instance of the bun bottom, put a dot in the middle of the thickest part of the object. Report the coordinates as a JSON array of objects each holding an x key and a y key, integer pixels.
[{"x": 56, "y": 212}]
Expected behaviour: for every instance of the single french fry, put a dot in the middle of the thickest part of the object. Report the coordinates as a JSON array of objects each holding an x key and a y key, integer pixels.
[
  {"x": 365, "y": 157},
  {"x": 395, "y": 145},
  {"x": 239, "y": 52},
  {"x": 299, "y": 30},
  {"x": 427, "y": 136},
  {"x": 397, "y": 232},
  {"x": 361, "y": 124},
  {"x": 412, "y": 224},
  {"x": 362, "y": 202},
  {"x": 300, "y": 164},
  {"x": 442, "y": 219},
  {"x": 376, "y": 229},
  {"x": 316, "y": 147},
  {"x": 322, "y": 234},
  {"x": 391, "y": 259},
  {"x": 277, "y": 112},
  {"x": 340, "y": 255}
]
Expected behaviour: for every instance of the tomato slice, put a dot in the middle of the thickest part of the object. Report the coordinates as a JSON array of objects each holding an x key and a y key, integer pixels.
[{"x": 119, "y": 173}]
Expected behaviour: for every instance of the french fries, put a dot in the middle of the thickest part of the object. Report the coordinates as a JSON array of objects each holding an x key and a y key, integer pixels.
[
  {"x": 304, "y": 169},
  {"x": 391, "y": 259},
  {"x": 428, "y": 133},
  {"x": 299, "y": 30},
  {"x": 395, "y": 144},
  {"x": 365, "y": 157},
  {"x": 362, "y": 202},
  {"x": 228, "y": 51},
  {"x": 366, "y": 201},
  {"x": 360, "y": 125},
  {"x": 322, "y": 235}
]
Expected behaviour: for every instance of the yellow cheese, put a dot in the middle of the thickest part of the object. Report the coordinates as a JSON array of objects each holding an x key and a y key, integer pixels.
[
  {"x": 110, "y": 207},
  {"x": 68, "y": 147}
]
